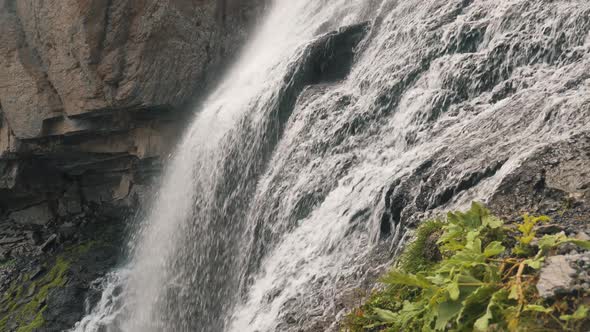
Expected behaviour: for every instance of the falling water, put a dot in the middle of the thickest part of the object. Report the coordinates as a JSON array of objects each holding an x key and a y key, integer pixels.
[
  {"x": 186, "y": 270},
  {"x": 294, "y": 183}
]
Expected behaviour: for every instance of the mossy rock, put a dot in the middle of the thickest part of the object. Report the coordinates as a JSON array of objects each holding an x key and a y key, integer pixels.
[
  {"x": 27, "y": 302},
  {"x": 24, "y": 302}
]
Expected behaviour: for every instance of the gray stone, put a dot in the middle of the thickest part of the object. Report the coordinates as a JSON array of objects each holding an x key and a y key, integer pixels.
[
  {"x": 36, "y": 215},
  {"x": 4, "y": 255},
  {"x": 146, "y": 53},
  {"x": 582, "y": 236},
  {"x": 49, "y": 242},
  {"x": 11, "y": 240},
  {"x": 556, "y": 276},
  {"x": 37, "y": 272}
]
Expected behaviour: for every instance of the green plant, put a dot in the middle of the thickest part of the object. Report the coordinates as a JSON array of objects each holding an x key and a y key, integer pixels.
[
  {"x": 27, "y": 311},
  {"x": 24, "y": 300},
  {"x": 485, "y": 281}
]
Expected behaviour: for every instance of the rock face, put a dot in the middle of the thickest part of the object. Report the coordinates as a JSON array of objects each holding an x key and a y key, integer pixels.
[
  {"x": 93, "y": 95},
  {"x": 76, "y": 58}
]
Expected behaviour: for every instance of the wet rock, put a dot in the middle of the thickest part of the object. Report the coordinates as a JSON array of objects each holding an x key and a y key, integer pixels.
[
  {"x": 36, "y": 215},
  {"x": 4, "y": 255},
  {"x": 47, "y": 244},
  {"x": 68, "y": 230},
  {"x": 37, "y": 272},
  {"x": 34, "y": 237},
  {"x": 10, "y": 240},
  {"x": 70, "y": 202},
  {"x": 63, "y": 307}
]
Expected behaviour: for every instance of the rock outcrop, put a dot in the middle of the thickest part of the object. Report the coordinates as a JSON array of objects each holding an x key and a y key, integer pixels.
[
  {"x": 93, "y": 96},
  {"x": 94, "y": 92}
]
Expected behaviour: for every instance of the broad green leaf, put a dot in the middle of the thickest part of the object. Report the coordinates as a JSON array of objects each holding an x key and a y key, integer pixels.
[
  {"x": 535, "y": 263},
  {"x": 537, "y": 308},
  {"x": 548, "y": 242},
  {"x": 461, "y": 260},
  {"x": 493, "y": 249},
  {"x": 445, "y": 312},
  {"x": 468, "y": 258},
  {"x": 579, "y": 314},
  {"x": 473, "y": 242},
  {"x": 513, "y": 293},
  {"x": 468, "y": 279},
  {"x": 452, "y": 237},
  {"x": 473, "y": 217},
  {"x": 386, "y": 316},
  {"x": 438, "y": 279},
  {"x": 474, "y": 301},
  {"x": 453, "y": 289},
  {"x": 483, "y": 322},
  {"x": 492, "y": 222},
  {"x": 410, "y": 311}
]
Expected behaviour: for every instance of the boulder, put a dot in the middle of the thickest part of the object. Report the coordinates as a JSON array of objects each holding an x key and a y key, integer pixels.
[
  {"x": 561, "y": 274},
  {"x": 36, "y": 215}
]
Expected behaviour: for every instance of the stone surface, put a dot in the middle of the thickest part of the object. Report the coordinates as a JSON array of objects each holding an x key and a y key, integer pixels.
[
  {"x": 556, "y": 275},
  {"x": 94, "y": 93},
  {"x": 69, "y": 58},
  {"x": 564, "y": 274},
  {"x": 38, "y": 215}
]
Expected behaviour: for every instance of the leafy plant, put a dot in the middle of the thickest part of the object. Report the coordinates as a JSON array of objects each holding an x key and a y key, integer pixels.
[{"x": 485, "y": 281}]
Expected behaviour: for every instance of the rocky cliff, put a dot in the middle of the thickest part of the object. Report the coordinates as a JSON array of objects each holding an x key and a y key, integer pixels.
[{"x": 93, "y": 95}]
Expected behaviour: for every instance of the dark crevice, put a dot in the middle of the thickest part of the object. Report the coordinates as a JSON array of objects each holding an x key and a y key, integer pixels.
[{"x": 468, "y": 182}]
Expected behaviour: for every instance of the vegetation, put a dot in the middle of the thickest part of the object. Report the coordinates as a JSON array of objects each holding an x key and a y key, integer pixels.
[
  {"x": 29, "y": 313},
  {"x": 478, "y": 274},
  {"x": 25, "y": 300}
]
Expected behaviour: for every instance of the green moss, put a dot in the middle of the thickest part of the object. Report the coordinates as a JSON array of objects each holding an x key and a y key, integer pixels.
[
  {"x": 24, "y": 301},
  {"x": 416, "y": 255},
  {"x": 28, "y": 312},
  {"x": 3, "y": 323},
  {"x": 38, "y": 322}
]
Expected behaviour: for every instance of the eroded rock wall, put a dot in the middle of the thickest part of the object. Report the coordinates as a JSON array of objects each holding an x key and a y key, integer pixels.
[
  {"x": 93, "y": 97},
  {"x": 94, "y": 92}
]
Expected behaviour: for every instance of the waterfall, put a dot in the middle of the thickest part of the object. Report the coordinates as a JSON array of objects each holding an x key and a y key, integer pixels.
[
  {"x": 342, "y": 123},
  {"x": 188, "y": 265}
]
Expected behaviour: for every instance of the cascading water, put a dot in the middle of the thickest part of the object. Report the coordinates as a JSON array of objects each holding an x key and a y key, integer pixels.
[
  {"x": 186, "y": 269},
  {"x": 293, "y": 185}
]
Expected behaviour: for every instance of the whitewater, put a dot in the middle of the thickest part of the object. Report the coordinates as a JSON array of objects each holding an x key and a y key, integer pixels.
[{"x": 341, "y": 125}]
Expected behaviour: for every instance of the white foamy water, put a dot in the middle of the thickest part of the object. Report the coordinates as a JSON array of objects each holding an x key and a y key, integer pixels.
[{"x": 289, "y": 192}]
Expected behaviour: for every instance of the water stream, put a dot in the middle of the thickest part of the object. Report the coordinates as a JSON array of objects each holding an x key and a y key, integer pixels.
[{"x": 342, "y": 123}]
